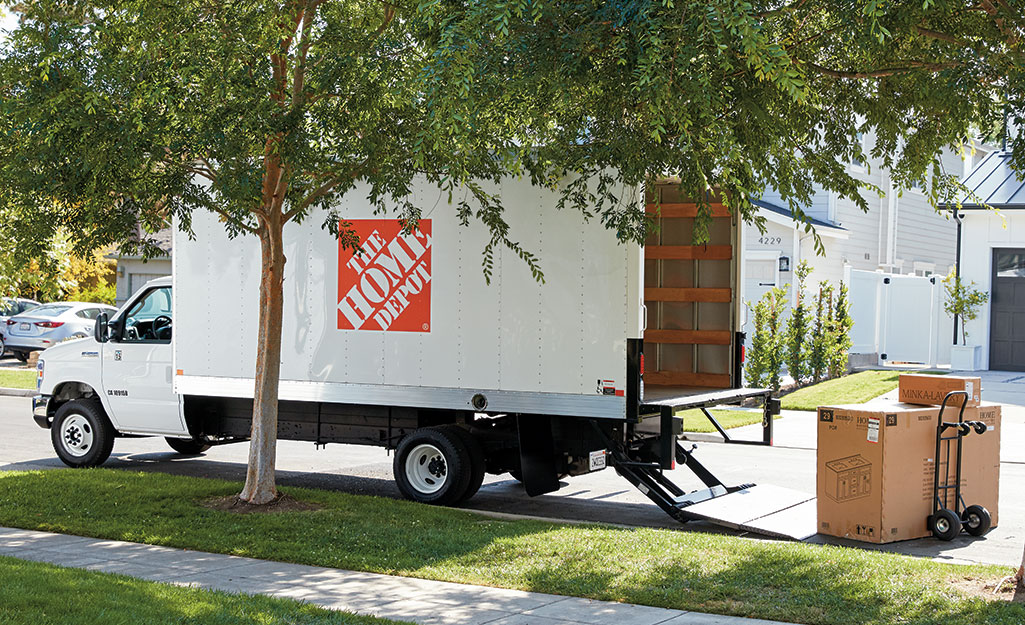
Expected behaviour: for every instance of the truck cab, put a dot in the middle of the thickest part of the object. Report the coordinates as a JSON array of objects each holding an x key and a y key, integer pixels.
[{"x": 118, "y": 381}]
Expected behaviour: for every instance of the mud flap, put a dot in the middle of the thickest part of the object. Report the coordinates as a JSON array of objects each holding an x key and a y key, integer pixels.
[{"x": 537, "y": 454}]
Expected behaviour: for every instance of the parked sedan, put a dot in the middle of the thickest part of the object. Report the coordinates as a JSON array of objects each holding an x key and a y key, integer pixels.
[
  {"x": 10, "y": 306},
  {"x": 50, "y": 324}
]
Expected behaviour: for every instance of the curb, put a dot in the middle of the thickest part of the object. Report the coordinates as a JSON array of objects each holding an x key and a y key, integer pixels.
[{"x": 17, "y": 392}]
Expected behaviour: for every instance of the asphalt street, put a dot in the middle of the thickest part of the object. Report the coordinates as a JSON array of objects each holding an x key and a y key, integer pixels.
[{"x": 602, "y": 496}]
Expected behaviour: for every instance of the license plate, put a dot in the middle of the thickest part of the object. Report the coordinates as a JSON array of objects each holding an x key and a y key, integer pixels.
[
  {"x": 24, "y": 326},
  {"x": 597, "y": 460}
]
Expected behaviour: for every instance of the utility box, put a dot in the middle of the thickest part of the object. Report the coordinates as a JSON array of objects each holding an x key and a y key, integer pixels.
[{"x": 929, "y": 390}]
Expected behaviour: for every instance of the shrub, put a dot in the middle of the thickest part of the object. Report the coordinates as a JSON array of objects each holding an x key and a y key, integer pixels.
[
  {"x": 768, "y": 342},
  {"x": 840, "y": 334},
  {"x": 962, "y": 301},
  {"x": 797, "y": 330},
  {"x": 818, "y": 354}
]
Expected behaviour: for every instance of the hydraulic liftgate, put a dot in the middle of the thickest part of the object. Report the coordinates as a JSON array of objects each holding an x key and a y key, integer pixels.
[{"x": 643, "y": 459}]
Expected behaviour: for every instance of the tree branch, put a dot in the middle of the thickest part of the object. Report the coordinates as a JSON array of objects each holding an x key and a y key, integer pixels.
[
  {"x": 325, "y": 188},
  {"x": 910, "y": 66}
]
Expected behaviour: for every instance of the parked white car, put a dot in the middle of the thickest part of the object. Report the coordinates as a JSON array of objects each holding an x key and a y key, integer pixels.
[
  {"x": 10, "y": 306},
  {"x": 49, "y": 324}
]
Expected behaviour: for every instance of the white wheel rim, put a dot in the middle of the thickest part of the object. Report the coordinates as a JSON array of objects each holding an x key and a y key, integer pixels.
[
  {"x": 77, "y": 435},
  {"x": 942, "y": 525},
  {"x": 426, "y": 469}
]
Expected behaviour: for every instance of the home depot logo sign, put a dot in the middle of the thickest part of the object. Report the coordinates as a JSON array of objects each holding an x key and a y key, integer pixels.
[{"x": 387, "y": 286}]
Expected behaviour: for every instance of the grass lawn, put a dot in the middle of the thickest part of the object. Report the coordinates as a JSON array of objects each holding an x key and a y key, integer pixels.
[
  {"x": 685, "y": 570},
  {"x": 33, "y": 593},
  {"x": 18, "y": 378},
  {"x": 856, "y": 388},
  {"x": 694, "y": 421}
]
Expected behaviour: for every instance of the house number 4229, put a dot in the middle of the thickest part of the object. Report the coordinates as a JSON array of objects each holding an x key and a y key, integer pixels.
[{"x": 770, "y": 240}]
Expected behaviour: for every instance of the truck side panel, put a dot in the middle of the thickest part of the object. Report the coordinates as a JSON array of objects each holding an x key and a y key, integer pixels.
[{"x": 557, "y": 347}]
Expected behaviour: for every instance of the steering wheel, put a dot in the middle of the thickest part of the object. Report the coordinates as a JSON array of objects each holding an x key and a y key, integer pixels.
[{"x": 161, "y": 327}]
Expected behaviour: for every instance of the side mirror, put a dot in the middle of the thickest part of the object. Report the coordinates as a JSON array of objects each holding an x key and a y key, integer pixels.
[{"x": 101, "y": 331}]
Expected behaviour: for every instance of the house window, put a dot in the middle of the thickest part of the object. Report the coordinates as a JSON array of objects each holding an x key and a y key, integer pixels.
[
  {"x": 858, "y": 162},
  {"x": 924, "y": 268}
]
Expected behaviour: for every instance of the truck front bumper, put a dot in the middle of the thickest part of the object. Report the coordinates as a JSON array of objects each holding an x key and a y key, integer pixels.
[{"x": 40, "y": 410}]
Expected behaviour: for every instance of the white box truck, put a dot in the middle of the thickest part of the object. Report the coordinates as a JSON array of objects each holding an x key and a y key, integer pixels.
[{"x": 407, "y": 346}]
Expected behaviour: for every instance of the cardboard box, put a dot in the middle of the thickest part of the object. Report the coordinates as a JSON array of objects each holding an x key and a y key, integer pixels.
[
  {"x": 929, "y": 390},
  {"x": 875, "y": 468},
  {"x": 980, "y": 464}
]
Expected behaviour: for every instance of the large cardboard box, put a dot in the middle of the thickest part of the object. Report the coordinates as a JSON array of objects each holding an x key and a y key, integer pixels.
[
  {"x": 875, "y": 470},
  {"x": 929, "y": 390},
  {"x": 875, "y": 467}
]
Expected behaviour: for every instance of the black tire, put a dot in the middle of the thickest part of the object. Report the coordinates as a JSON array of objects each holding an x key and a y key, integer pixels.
[
  {"x": 81, "y": 434},
  {"x": 22, "y": 356},
  {"x": 477, "y": 460},
  {"x": 945, "y": 524},
  {"x": 3, "y": 346},
  {"x": 976, "y": 520},
  {"x": 187, "y": 446},
  {"x": 433, "y": 465}
]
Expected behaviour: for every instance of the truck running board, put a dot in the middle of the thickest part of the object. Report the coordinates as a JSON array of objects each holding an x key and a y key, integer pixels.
[{"x": 767, "y": 510}]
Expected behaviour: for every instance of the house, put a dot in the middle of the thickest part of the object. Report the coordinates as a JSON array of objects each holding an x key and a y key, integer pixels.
[
  {"x": 135, "y": 271},
  {"x": 992, "y": 246},
  {"x": 902, "y": 233}
]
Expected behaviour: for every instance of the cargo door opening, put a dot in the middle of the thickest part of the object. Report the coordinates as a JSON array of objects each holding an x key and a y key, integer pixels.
[{"x": 690, "y": 299}]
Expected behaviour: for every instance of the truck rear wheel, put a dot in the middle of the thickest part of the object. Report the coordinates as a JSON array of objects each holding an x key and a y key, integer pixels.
[
  {"x": 477, "y": 460},
  {"x": 81, "y": 434},
  {"x": 433, "y": 465},
  {"x": 187, "y": 446}
]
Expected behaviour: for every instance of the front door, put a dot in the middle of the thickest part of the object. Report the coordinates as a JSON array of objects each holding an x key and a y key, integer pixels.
[
  {"x": 1007, "y": 311},
  {"x": 137, "y": 375}
]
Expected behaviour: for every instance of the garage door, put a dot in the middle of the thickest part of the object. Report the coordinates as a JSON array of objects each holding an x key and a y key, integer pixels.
[{"x": 1007, "y": 324}]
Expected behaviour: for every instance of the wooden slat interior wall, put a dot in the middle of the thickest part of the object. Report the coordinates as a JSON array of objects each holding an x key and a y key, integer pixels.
[{"x": 689, "y": 295}]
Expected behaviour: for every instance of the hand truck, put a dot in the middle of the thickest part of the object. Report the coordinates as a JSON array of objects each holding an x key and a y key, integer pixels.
[{"x": 945, "y": 522}]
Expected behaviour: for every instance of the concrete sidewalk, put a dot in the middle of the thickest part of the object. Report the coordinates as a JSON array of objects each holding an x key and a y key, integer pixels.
[{"x": 387, "y": 596}]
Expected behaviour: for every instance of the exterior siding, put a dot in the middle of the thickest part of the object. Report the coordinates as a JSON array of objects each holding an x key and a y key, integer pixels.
[{"x": 984, "y": 231}]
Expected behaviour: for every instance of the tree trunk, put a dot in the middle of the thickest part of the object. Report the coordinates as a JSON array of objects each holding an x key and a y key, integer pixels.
[
  {"x": 1021, "y": 575},
  {"x": 260, "y": 485}
]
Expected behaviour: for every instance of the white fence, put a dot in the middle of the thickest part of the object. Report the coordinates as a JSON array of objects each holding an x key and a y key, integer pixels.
[{"x": 899, "y": 318}]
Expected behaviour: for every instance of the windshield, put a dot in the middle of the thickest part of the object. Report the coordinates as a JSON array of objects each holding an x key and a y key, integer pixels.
[{"x": 8, "y": 307}]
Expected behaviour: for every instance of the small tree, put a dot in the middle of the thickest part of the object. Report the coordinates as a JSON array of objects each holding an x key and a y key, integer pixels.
[
  {"x": 797, "y": 329},
  {"x": 768, "y": 342},
  {"x": 754, "y": 368},
  {"x": 840, "y": 333},
  {"x": 962, "y": 301},
  {"x": 818, "y": 357}
]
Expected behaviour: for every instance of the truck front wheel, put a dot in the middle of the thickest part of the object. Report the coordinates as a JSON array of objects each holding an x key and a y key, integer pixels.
[
  {"x": 433, "y": 465},
  {"x": 82, "y": 435}
]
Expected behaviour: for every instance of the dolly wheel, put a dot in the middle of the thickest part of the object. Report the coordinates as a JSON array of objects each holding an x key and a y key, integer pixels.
[
  {"x": 976, "y": 520},
  {"x": 944, "y": 524},
  {"x": 980, "y": 427}
]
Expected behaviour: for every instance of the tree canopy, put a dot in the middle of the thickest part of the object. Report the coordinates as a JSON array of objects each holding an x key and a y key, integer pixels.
[{"x": 121, "y": 109}]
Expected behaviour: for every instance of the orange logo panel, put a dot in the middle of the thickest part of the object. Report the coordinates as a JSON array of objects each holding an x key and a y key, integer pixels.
[{"x": 388, "y": 286}]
